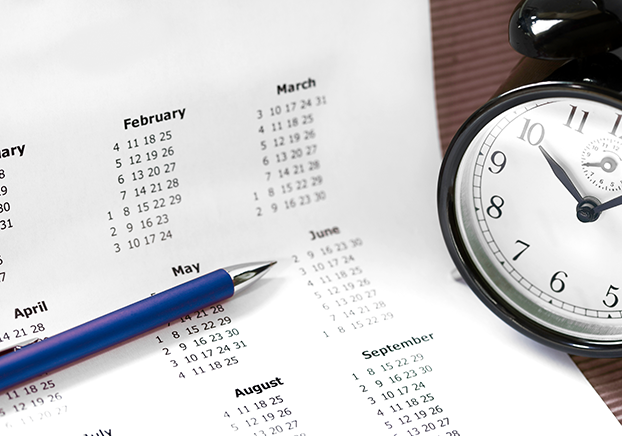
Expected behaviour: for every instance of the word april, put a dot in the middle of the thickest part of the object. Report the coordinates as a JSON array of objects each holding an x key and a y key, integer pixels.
[
  {"x": 185, "y": 269},
  {"x": 27, "y": 311},
  {"x": 258, "y": 389}
]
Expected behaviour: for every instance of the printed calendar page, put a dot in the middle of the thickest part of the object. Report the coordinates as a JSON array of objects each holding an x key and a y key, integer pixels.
[{"x": 144, "y": 144}]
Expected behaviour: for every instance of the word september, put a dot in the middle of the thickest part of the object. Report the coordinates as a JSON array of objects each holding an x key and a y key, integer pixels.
[{"x": 396, "y": 347}]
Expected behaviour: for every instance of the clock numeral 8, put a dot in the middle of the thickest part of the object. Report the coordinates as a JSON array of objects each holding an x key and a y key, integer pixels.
[{"x": 494, "y": 210}]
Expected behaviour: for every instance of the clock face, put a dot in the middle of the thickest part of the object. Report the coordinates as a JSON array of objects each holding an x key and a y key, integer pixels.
[{"x": 536, "y": 213}]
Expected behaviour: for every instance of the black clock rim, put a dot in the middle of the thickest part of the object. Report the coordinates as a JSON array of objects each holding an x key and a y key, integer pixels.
[{"x": 446, "y": 202}]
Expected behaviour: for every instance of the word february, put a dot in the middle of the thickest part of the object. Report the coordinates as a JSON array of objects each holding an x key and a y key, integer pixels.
[
  {"x": 17, "y": 150},
  {"x": 144, "y": 120}
]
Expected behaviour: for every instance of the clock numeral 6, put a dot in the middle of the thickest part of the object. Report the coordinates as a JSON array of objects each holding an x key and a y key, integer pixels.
[{"x": 557, "y": 284}]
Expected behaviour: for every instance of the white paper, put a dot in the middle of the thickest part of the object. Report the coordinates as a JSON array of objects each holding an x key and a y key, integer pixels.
[{"x": 349, "y": 161}]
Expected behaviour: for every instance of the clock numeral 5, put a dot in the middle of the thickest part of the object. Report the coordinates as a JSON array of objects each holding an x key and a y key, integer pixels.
[{"x": 611, "y": 294}]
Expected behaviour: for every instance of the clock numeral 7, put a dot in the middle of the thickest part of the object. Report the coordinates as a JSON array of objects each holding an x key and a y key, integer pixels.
[
  {"x": 518, "y": 241},
  {"x": 611, "y": 294}
]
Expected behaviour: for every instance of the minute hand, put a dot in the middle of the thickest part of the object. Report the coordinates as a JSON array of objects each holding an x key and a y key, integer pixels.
[{"x": 562, "y": 176}]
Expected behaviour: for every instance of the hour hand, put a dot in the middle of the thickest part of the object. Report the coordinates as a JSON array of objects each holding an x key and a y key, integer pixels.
[{"x": 562, "y": 176}]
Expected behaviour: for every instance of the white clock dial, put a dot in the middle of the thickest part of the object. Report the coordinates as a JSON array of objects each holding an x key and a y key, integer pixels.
[{"x": 538, "y": 190}]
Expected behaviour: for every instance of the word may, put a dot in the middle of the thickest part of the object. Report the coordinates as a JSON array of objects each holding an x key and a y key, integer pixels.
[
  {"x": 185, "y": 269},
  {"x": 258, "y": 389},
  {"x": 100, "y": 433},
  {"x": 27, "y": 311},
  {"x": 8, "y": 152},
  {"x": 144, "y": 120},
  {"x": 322, "y": 233}
]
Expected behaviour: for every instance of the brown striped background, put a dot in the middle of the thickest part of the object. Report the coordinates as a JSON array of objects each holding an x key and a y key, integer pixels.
[{"x": 471, "y": 59}]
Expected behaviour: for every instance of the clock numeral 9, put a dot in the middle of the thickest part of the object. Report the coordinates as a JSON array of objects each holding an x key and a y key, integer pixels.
[{"x": 499, "y": 160}]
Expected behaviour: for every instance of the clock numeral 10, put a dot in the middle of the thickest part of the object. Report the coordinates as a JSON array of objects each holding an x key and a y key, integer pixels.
[{"x": 532, "y": 133}]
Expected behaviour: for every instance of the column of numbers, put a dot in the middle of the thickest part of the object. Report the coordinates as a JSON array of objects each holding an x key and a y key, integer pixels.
[
  {"x": 148, "y": 191},
  {"x": 263, "y": 415},
  {"x": 289, "y": 152},
  {"x": 398, "y": 393},
  {"x": 5, "y": 221},
  {"x": 201, "y": 343},
  {"x": 36, "y": 401},
  {"x": 344, "y": 293}
]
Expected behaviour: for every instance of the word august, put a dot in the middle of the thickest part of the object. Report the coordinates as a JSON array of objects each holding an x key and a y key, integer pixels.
[{"x": 259, "y": 388}]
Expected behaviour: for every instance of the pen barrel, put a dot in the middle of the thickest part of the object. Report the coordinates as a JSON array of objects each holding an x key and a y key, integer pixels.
[{"x": 113, "y": 328}]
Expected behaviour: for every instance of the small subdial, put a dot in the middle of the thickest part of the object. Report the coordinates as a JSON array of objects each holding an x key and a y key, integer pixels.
[{"x": 602, "y": 163}]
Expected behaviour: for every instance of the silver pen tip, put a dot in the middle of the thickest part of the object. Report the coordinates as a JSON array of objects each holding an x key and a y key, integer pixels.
[{"x": 247, "y": 273}]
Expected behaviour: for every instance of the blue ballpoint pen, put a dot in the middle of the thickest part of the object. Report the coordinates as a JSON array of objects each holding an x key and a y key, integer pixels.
[{"x": 21, "y": 363}]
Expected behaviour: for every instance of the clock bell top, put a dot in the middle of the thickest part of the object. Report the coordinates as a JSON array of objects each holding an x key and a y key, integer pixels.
[{"x": 566, "y": 29}]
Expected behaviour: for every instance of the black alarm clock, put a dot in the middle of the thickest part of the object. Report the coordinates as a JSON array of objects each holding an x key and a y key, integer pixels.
[{"x": 530, "y": 189}]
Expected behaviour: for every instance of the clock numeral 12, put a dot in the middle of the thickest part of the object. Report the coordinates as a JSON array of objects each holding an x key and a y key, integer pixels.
[{"x": 615, "y": 125}]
